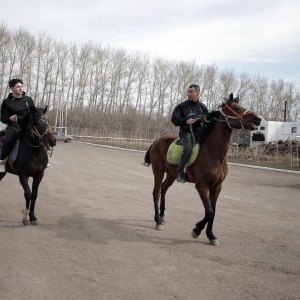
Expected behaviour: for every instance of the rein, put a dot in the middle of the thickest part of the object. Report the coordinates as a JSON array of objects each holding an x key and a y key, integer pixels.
[{"x": 40, "y": 137}]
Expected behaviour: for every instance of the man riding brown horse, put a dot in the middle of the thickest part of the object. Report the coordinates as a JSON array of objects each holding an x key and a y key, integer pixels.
[
  {"x": 186, "y": 115},
  {"x": 208, "y": 170}
]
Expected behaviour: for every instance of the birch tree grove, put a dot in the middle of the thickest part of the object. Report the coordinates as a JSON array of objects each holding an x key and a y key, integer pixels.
[{"x": 110, "y": 91}]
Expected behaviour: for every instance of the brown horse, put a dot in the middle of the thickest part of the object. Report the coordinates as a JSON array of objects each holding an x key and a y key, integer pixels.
[{"x": 210, "y": 168}]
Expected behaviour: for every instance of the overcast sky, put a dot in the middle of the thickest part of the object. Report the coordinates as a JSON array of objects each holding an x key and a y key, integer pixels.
[{"x": 261, "y": 37}]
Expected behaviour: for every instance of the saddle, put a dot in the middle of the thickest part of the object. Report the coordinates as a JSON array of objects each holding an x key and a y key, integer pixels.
[{"x": 175, "y": 151}]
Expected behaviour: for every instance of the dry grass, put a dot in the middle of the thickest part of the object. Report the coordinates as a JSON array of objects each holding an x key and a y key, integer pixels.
[{"x": 272, "y": 157}]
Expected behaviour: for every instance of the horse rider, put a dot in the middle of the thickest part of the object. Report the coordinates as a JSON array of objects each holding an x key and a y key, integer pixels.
[
  {"x": 13, "y": 109},
  {"x": 188, "y": 115}
]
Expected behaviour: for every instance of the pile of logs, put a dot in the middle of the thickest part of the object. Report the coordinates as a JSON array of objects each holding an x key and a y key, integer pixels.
[{"x": 281, "y": 147}]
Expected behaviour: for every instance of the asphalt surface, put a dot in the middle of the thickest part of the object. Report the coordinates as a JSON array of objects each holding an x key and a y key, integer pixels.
[{"x": 96, "y": 236}]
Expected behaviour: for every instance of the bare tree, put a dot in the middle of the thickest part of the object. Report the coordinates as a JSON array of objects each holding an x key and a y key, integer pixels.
[
  {"x": 128, "y": 84},
  {"x": 5, "y": 41},
  {"x": 277, "y": 96},
  {"x": 244, "y": 86},
  {"x": 228, "y": 82},
  {"x": 291, "y": 100},
  {"x": 212, "y": 89},
  {"x": 84, "y": 68},
  {"x": 102, "y": 77},
  {"x": 111, "y": 91},
  {"x": 141, "y": 85},
  {"x": 182, "y": 75}
]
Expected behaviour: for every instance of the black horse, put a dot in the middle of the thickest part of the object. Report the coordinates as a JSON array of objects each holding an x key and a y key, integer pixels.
[{"x": 32, "y": 159}]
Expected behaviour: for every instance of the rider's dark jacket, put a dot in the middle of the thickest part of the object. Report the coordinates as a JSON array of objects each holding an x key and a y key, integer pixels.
[
  {"x": 15, "y": 106},
  {"x": 181, "y": 114}
]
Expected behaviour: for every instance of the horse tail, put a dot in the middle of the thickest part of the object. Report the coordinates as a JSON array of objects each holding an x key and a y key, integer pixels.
[{"x": 147, "y": 159}]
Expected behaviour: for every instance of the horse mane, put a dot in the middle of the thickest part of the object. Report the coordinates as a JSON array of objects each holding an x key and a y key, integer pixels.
[
  {"x": 24, "y": 121},
  {"x": 35, "y": 114},
  {"x": 32, "y": 116},
  {"x": 211, "y": 118},
  {"x": 208, "y": 125}
]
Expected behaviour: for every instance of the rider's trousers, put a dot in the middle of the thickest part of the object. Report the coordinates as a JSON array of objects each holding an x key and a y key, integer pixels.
[
  {"x": 187, "y": 141},
  {"x": 11, "y": 134}
]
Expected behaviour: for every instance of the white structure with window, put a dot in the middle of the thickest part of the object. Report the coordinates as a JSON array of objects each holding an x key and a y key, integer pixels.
[{"x": 270, "y": 131}]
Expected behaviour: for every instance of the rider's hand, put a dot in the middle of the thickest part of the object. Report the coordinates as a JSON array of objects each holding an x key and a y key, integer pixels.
[
  {"x": 190, "y": 121},
  {"x": 13, "y": 118}
]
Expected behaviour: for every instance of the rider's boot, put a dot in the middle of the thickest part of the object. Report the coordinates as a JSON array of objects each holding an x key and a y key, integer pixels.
[
  {"x": 2, "y": 166},
  {"x": 181, "y": 177}
]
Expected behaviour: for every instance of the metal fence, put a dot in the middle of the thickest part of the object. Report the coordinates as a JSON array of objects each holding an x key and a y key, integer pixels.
[
  {"x": 273, "y": 155},
  {"x": 278, "y": 156},
  {"x": 127, "y": 143}
]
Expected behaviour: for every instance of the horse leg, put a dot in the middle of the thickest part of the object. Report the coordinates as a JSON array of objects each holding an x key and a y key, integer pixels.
[
  {"x": 214, "y": 194},
  {"x": 204, "y": 194},
  {"x": 156, "y": 195},
  {"x": 35, "y": 186},
  {"x": 27, "y": 194},
  {"x": 209, "y": 200},
  {"x": 165, "y": 185},
  {"x": 209, "y": 213}
]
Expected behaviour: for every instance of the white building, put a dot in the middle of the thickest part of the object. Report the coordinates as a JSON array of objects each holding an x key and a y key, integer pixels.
[{"x": 270, "y": 131}]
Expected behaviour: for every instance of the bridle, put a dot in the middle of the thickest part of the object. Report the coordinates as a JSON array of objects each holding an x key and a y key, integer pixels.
[
  {"x": 37, "y": 137},
  {"x": 238, "y": 118}
]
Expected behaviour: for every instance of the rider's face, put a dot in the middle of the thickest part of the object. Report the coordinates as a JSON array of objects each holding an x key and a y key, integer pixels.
[
  {"x": 17, "y": 90},
  {"x": 193, "y": 95}
]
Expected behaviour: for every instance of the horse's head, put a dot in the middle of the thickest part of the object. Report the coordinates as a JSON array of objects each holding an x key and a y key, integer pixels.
[
  {"x": 39, "y": 129},
  {"x": 238, "y": 117}
]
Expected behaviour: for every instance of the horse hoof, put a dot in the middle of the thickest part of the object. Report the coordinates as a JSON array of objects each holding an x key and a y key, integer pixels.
[
  {"x": 32, "y": 219},
  {"x": 214, "y": 242},
  {"x": 25, "y": 222},
  {"x": 25, "y": 218},
  {"x": 194, "y": 235},
  {"x": 163, "y": 219},
  {"x": 159, "y": 226}
]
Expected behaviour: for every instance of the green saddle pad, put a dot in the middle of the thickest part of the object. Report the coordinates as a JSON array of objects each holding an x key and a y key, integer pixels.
[{"x": 175, "y": 151}]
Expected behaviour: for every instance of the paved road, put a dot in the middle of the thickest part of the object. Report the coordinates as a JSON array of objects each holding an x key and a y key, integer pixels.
[{"x": 96, "y": 237}]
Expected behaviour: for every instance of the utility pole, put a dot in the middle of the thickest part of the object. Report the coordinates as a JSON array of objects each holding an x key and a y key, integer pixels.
[{"x": 284, "y": 117}]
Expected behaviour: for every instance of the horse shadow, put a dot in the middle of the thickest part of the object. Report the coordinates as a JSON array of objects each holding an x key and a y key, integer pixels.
[
  {"x": 102, "y": 231},
  {"x": 11, "y": 224}
]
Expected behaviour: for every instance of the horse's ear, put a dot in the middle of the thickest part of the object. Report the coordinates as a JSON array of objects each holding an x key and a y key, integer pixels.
[
  {"x": 230, "y": 99},
  {"x": 236, "y": 99},
  {"x": 45, "y": 110}
]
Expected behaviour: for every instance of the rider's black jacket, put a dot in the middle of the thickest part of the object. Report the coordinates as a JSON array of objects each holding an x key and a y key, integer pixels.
[
  {"x": 15, "y": 106},
  {"x": 182, "y": 111}
]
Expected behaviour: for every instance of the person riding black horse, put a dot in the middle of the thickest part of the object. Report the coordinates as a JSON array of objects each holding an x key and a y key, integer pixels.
[
  {"x": 13, "y": 109},
  {"x": 187, "y": 115}
]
